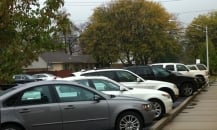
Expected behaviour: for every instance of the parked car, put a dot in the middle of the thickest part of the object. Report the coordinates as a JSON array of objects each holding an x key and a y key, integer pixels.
[
  {"x": 62, "y": 105},
  {"x": 187, "y": 85},
  {"x": 183, "y": 69},
  {"x": 23, "y": 78},
  {"x": 200, "y": 69},
  {"x": 131, "y": 80},
  {"x": 45, "y": 76},
  {"x": 161, "y": 101}
]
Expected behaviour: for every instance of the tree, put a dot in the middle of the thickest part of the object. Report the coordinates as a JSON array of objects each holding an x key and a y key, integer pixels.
[
  {"x": 130, "y": 31},
  {"x": 196, "y": 35},
  {"x": 66, "y": 29},
  {"x": 26, "y": 30}
]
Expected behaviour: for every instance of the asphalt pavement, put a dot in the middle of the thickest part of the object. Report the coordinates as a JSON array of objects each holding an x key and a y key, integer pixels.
[{"x": 197, "y": 112}]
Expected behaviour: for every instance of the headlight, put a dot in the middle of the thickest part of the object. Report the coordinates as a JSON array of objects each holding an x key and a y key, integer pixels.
[
  {"x": 147, "y": 107},
  {"x": 196, "y": 79},
  {"x": 166, "y": 95}
]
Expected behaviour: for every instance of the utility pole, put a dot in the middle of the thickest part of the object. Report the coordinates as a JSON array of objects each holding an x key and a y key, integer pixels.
[{"x": 207, "y": 48}]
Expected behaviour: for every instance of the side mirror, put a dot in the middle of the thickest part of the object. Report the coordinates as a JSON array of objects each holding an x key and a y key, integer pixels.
[
  {"x": 138, "y": 80},
  {"x": 97, "y": 98},
  {"x": 123, "y": 89}
]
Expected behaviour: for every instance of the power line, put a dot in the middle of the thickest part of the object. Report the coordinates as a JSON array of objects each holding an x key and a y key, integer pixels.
[{"x": 195, "y": 11}]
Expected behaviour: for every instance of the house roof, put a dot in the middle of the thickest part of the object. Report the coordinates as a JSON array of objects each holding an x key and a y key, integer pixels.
[{"x": 62, "y": 57}]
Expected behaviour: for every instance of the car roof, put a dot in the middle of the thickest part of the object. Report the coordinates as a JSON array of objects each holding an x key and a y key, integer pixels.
[
  {"x": 166, "y": 63},
  {"x": 95, "y": 70},
  {"x": 84, "y": 77},
  {"x": 137, "y": 66},
  {"x": 42, "y": 74},
  {"x": 21, "y": 87}
]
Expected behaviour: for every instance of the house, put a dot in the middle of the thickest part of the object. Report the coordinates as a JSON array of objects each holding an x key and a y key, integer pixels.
[{"x": 58, "y": 61}]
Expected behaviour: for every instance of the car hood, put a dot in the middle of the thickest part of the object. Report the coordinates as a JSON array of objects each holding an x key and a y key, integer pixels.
[
  {"x": 156, "y": 82},
  {"x": 118, "y": 97},
  {"x": 183, "y": 76},
  {"x": 135, "y": 91}
]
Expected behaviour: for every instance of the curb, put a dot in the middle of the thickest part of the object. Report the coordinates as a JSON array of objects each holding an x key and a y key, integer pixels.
[{"x": 171, "y": 115}]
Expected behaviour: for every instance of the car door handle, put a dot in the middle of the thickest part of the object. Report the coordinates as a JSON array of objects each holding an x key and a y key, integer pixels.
[
  {"x": 70, "y": 107},
  {"x": 24, "y": 111}
]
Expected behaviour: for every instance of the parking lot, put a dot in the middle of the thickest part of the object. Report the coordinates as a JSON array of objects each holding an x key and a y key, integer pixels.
[{"x": 178, "y": 105}]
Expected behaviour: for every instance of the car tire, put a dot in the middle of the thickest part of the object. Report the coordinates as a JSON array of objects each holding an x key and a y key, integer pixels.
[
  {"x": 11, "y": 127},
  {"x": 159, "y": 108},
  {"x": 129, "y": 120},
  {"x": 187, "y": 89}
]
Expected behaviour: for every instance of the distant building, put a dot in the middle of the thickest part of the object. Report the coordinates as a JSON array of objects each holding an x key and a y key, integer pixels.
[{"x": 57, "y": 61}]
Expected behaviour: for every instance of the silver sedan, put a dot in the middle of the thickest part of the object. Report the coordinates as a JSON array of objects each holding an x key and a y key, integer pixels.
[{"x": 61, "y": 105}]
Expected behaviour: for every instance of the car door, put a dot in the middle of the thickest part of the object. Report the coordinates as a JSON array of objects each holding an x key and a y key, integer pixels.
[
  {"x": 79, "y": 109},
  {"x": 35, "y": 108}
]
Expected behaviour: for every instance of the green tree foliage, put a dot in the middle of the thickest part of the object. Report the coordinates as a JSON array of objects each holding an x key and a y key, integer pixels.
[
  {"x": 196, "y": 39},
  {"x": 26, "y": 30},
  {"x": 130, "y": 31}
]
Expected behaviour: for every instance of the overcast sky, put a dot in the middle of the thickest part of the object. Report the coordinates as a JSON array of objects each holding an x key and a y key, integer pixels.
[{"x": 185, "y": 10}]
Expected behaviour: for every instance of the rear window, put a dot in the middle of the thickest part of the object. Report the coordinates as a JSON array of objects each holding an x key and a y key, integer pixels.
[{"x": 201, "y": 67}]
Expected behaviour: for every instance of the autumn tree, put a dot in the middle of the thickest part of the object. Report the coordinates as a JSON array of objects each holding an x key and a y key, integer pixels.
[
  {"x": 26, "y": 30},
  {"x": 196, "y": 39},
  {"x": 130, "y": 31}
]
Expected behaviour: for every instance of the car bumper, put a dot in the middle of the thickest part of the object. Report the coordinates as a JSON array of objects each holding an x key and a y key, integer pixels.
[
  {"x": 206, "y": 79},
  {"x": 168, "y": 105},
  {"x": 148, "y": 117}
]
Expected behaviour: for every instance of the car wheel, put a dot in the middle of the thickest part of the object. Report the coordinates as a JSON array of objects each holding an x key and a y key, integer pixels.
[
  {"x": 186, "y": 89},
  {"x": 129, "y": 121},
  {"x": 159, "y": 108},
  {"x": 10, "y": 127}
]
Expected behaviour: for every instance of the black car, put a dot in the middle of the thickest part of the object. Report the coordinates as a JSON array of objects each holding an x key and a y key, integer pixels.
[{"x": 187, "y": 85}]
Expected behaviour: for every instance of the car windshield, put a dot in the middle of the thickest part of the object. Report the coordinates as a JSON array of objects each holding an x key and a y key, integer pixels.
[
  {"x": 99, "y": 84},
  {"x": 104, "y": 85}
]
